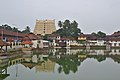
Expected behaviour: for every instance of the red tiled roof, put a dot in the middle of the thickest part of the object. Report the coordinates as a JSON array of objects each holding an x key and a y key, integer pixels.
[
  {"x": 82, "y": 35},
  {"x": 11, "y": 33},
  {"x": 31, "y": 36},
  {"x": 26, "y": 42},
  {"x": 116, "y": 33},
  {"x": 91, "y": 37},
  {"x": 54, "y": 35},
  {"x": 114, "y": 39}
]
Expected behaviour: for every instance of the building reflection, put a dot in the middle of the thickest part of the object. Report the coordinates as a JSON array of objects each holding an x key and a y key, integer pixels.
[
  {"x": 46, "y": 66},
  {"x": 68, "y": 59},
  {"x": 3, "y": 67},
  {"x": 44, "y": 61}
]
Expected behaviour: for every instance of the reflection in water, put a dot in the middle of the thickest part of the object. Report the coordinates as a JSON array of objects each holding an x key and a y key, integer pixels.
[
  {"x": 46, "y": 66},
  {"x": 68, "y": 64},
  {"x": 68, "y": 60},
  {"x": 3, "y": 67}
]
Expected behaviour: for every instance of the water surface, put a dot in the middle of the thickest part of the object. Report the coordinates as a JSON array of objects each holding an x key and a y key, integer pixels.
[{"x": 65, "y": 64}]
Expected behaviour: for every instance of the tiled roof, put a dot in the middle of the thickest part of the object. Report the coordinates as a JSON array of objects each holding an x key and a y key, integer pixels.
[
  {"x": 82, "y": 35},
  {"x": 31, "y": 36},
  {"x": 54, "y": 35},
  {"x": 116, "y": 33},
  {"x": 11, "y": 33},
  {"x": 26, "y": 42},
  {"x": 114, "y": 39}
]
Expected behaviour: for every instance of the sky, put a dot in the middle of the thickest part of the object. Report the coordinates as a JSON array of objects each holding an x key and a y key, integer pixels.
[{"x": 91, "y": 15}]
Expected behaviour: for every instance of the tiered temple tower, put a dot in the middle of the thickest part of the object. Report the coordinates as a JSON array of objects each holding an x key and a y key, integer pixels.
[{"x": 44, "y": 27}]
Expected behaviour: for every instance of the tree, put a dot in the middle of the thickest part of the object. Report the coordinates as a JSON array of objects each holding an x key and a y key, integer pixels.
[
  {"x": 66, "y": 24},
  {"x": 7, "y": 27},
  {"x": 15, "y": 29},
  {"x": 27, "y": 30},
  {"x": 68, "y": 29},
  {"x": 45, "y": 37},
  {"x": 60, "y": 24},
  {"x": 94, "y": 34},
  {"x": 68, "y": 64},
  {"x": 101, "y": 34},
  {"x": 74, "y": 28}
]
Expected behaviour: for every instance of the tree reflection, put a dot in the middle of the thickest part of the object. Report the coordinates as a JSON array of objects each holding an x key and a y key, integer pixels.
[
  {"x": 116, "y": 58},
  {"x": 68, "y": 64},
  {"x": 99, "y": 58}
]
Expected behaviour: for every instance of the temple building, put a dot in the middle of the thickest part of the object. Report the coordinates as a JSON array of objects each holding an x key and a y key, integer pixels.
[{"x": 44, "y": 27}]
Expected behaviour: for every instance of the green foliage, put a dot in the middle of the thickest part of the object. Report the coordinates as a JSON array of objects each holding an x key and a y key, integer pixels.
[
  {"x": 100, "y": 58},
  {"x": 68, "y": 29},
  {"x": 99, "y": 34},
  {"x": 45, "y": 37},
  {"x": 68, "y": 64},
  {"x": 27, "y": 30},
  {"x": 81, "y": 41},
  {"x": 7, "y": 27},
  {"x": 3, "y": 76},
  {"x": 60, "y": 24},
  {"x": 94, "y": 34}
]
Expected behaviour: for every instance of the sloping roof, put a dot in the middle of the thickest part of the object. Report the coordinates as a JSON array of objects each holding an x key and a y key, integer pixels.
[
  {"x": 39, "y": 36},
  {"x": 2, "y": 43},
  {"x": 114, "y": 39},
  {"x": 31, "y": 36},
  {"x": 82, "y": 35},
  {"x": 26, "y": 42},
  {"x": 116, "y": 33},
  {"x": 11, "y": 33},
  {"x": 54, "y": 35},
  {"x": 92, "y": 37}
]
